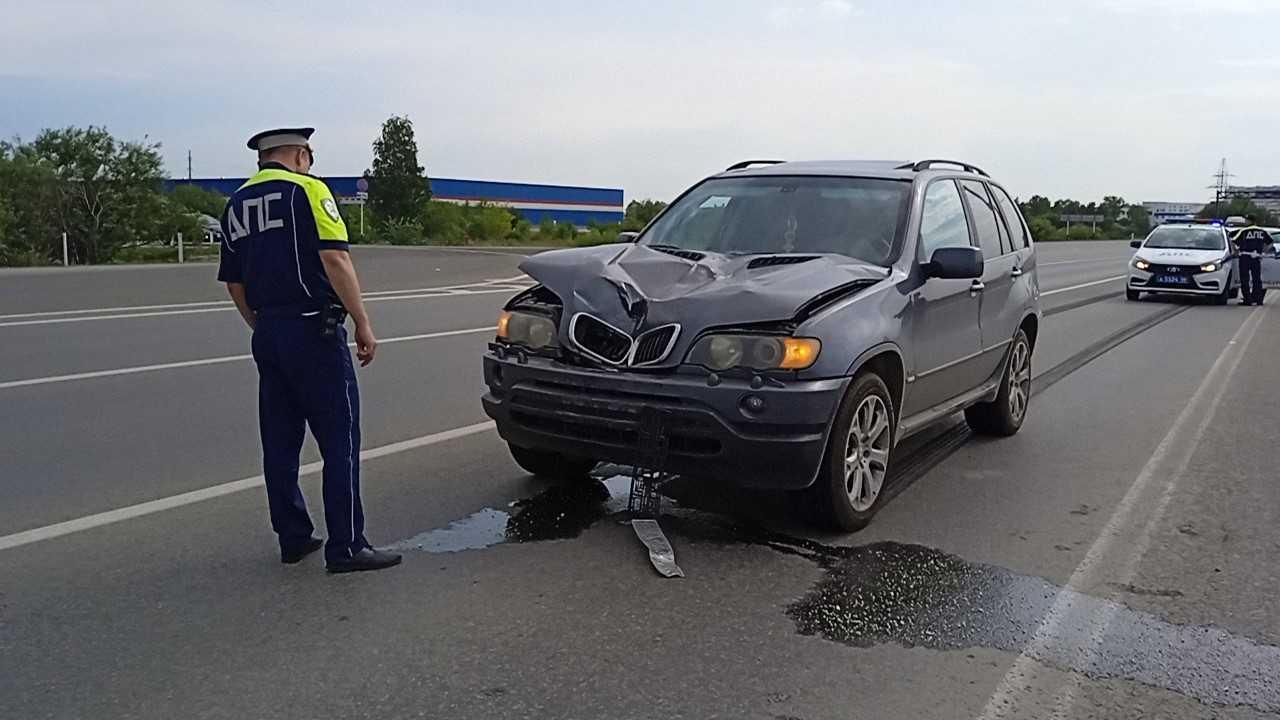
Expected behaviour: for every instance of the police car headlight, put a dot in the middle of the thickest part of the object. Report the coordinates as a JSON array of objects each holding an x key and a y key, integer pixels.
[
  {"x": 529, "y": 329},
  {"x": 1141, "y": 264},
  {"x": 758, "y": 352},
  {"x": 1210, "y": 267}
]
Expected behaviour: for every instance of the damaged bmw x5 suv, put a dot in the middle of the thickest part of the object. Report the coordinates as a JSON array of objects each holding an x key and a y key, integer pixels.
[{"x": 784, "y": 324}]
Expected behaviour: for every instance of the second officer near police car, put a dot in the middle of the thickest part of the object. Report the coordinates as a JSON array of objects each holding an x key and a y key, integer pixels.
[{"x": 286, "y": 266}]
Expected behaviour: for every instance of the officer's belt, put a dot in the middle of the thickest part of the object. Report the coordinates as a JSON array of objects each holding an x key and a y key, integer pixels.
[{"x": 293, "y": 310}]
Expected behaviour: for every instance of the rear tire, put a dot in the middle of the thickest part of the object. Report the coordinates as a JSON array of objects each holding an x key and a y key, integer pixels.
[
  {"x": 551, "y": 465},
  {"x": 1003, "y": 416},
  {"x": 850, "y": 487},
  {"x": 1131, "y": 294}
]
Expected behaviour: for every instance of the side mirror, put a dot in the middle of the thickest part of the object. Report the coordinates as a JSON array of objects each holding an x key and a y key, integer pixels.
[
  {"x": 955, "y": 263},
  {"x": 628, "y": 236},
  {"x": 1135, "y": 244}
]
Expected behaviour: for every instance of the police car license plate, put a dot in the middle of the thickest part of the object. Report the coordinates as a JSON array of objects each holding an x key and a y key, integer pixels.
[{"x": 1173, "y": 280}]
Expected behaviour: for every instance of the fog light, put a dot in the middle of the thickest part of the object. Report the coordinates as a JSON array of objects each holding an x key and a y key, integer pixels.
[{"x": 753, "y": 404}]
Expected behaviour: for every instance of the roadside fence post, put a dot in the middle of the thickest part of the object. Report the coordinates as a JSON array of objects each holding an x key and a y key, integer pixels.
[
  {"x": 179, "y": 248},
  {"x": 65, "y": 263}
]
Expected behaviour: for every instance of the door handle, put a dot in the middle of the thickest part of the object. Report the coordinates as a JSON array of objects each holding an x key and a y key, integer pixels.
[
  {"x": 977, "y": 286},
  {"x": 1016, "y": 272}
]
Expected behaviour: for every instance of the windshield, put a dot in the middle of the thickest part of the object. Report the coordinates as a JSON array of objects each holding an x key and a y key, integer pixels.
[
  {"x": 1185, "y": 238},
  {"x": 858, "y": 217}
]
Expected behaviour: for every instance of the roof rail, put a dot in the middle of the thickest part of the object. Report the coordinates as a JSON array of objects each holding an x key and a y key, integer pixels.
[
  {"x": 923, "y": 165},
  {"x": 748, "y": 163}
]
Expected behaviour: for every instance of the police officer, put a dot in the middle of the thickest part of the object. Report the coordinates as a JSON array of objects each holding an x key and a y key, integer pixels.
[
  {"x": 286, "y": 266},
  {"x": 1250, "y": 243}
]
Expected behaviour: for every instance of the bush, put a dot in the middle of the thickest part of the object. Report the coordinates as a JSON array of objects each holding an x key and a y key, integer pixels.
[
  {"x": 597, "y": 235},
  {"x": 443, "y": 223},
  {"x": 488, "y": 224},
  {"x": 521, "y": 232},
  {"x": 21, "y": 257},
  {"x": 351, "y": 217},
  {"x": 402, "y": 232}
]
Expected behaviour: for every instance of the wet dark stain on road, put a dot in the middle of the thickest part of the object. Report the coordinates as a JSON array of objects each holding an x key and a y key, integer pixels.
[
  {"x": 557, "y": 513},
  {"x": 916, "y": 596}
]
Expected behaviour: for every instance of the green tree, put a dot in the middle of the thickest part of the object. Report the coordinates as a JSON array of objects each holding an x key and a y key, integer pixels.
[
  {"x": 1037, "y": 206},
  {"x": 198, "y": 200},
  {"x": 1139, "y": 220},
  {"x": 107, "y": 192},
  {"x": 398, "y": 185},
  {"x": 1113, "y": 208},
  {"x": 640, "y": 212},
  {"x": 1243, "y": 207}
]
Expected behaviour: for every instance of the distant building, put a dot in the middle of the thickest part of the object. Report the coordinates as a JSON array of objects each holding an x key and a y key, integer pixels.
[
  {"x": 1172, "y": 212},
  {"x": 561, "y": 203},
  {"x": 1266, "y": 197}
]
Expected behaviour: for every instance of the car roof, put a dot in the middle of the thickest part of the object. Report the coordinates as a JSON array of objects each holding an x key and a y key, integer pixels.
[{"x": 887, "y": 169}]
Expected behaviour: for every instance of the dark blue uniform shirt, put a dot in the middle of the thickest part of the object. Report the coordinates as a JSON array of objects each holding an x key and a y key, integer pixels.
[{"x": 273, "y": 230}]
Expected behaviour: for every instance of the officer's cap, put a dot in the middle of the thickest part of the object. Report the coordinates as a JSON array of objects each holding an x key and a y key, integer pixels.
[{"x": 280, "y": 137}]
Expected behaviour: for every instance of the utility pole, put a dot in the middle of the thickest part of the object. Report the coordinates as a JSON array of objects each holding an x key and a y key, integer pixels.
[
  {"x": 188, "y": 165},
  {"x": 1221, "y": 183}
]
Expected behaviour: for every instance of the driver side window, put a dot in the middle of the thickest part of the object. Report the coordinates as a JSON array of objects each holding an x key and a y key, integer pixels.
[{"x": 942, "y": 222}]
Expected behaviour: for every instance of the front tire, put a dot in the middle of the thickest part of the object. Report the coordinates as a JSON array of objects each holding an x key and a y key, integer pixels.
[
  {"x": 551, "y": 465},
  {"x": 850, "y": 486},
  {"x": 1222, "y": 297},
  {"x": 1003, "y": 416},
  {"x": 1131, "y": 294}
]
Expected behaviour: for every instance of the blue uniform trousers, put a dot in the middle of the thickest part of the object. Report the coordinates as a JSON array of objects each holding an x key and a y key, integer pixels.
[{"x": 306, "y": 379}]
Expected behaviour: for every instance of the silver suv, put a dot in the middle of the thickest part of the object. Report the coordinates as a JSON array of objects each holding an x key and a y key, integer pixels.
[{"x": 782, "y": 325}]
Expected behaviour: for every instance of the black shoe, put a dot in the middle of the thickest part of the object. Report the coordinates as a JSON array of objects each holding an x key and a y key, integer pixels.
[
  {"x": 1246, "y": 302},
  {"x": 293, "y": 557},
  {"x": 366, "y": 559}
]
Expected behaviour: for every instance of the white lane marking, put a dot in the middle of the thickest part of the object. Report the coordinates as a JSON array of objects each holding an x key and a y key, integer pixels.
[
  {"x": 227, "y": 304},
  {"x": 1082, "y": 286},
  {"x": 211, "y": 361},
  {"x": 1083, "y": 262},
  {"x": 1167, "y": 464},
  {"x": 48, "y": 532},
  {"x": 458, "y": 292}
]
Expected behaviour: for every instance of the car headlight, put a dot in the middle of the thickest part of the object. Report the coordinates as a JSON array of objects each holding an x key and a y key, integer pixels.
[
  {"x": 528, "y": 329},
  {"x": 1210, "y": 267},
  {"x": 1141, "y": 264},
  {"x": 758, "y": 352}
]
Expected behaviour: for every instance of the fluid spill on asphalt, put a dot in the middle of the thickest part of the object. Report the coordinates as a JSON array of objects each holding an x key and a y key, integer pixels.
[
  {"x": 915, "y": 596},
  {"x": 559, "y": 512}
]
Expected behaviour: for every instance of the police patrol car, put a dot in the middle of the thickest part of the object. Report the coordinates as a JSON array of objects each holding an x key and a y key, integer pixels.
[{"x": 1184, "y": 259}]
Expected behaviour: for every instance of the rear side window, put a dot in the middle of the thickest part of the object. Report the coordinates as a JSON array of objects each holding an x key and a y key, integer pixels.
[
  {"x": 985, "y": 222},
  {"x": 1012, "y": 217},
  {"x": 942, "y": 222}
]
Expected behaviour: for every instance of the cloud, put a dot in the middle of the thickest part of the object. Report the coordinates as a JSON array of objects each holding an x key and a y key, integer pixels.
[
  {"x": 795, "y": 15},
  {"x": 835, "y": 9}
]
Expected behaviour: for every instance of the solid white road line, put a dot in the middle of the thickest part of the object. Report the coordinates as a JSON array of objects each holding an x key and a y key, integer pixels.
[
  {"x": 487, "y": 290},
  {"x": 1165, "y": 466},
  {"x": 1082, "y": 286},
  {"x": 212, "y": 361},
  {"x": 109, "y": 517},
  {"x": 1083, "y": 262},
  {"x": 226, "y": 304}
]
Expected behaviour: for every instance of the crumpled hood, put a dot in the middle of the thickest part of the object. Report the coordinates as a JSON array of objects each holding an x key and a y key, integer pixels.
[
  {"x": 636, "y": 288},
  {"x": 1171, "y": 256}
]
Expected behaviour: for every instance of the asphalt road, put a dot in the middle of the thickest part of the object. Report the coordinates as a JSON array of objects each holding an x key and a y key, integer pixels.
[{"x": 1116, "y": 558}]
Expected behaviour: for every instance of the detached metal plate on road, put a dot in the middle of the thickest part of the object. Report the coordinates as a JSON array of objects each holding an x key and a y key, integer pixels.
[{"x": 661, "y": 554}]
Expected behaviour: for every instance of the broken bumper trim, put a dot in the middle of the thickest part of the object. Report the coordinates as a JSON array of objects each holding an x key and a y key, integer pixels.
[{"x": 711, "y": 433}]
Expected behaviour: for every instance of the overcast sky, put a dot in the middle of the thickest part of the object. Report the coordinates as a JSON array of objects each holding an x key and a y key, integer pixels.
[{"x": 1075, "y": 98}]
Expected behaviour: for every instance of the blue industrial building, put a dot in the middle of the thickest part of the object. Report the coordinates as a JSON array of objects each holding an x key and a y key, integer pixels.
[{"x": 561, "y": 203}]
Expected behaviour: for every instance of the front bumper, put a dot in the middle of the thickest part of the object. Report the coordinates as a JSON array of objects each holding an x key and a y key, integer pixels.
[
  {"x": 597, "y": 414},
  {"x": 1193, "y": 282}
]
